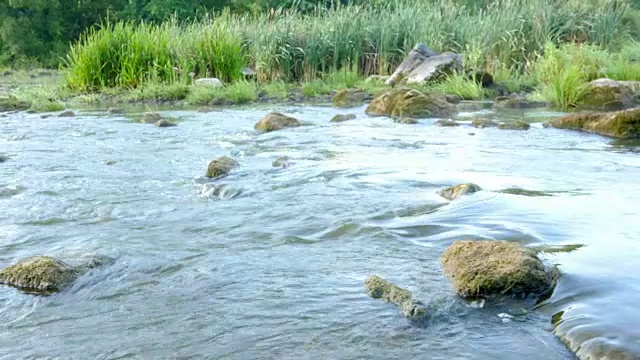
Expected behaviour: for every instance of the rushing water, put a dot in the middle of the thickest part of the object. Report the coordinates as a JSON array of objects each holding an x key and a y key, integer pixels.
[{"x": 270, "y": 262}]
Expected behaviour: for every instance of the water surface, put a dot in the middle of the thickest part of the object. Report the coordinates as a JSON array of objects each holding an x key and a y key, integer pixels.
[{"x": 270, "y": 262}]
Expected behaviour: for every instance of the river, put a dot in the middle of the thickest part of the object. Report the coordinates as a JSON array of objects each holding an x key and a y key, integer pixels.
[{"x": 270, "y": 262}]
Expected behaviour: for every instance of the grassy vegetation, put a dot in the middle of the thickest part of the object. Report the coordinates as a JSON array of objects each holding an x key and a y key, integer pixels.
[{"x": 552, "y": 47}]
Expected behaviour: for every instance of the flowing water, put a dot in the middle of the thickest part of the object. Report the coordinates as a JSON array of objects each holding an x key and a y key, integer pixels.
[{"x": 270, "y": 262}]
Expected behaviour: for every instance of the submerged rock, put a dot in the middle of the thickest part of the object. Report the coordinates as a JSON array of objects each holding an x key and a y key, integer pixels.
[
  {"x": 624, "y": 124},
  {"x": 165, "y": 123},
  {"x": 379, "y": 288},
  {"x": 411, "y": 103},
  {"x": 447, "y": 123},
  {"x": 405, "y": 120},
  {"x": 484, "y": 268},
  {"x": 220, "y": 167},
  {"x": 3, "y": 158},
  {"x": 342, "y": 117},
  {"x": 151, "y": 118},
  {"x": 205, "y": 109},
  {"x": 39, "y": 274},
  {"x": 515, "y": 125},
  {"x": 110, "y": 162},
  {"x": 483, "y": 123},
  {"x": 116, "y": 111},
  {"x": 349, "y": 98},
  {"x": 524, "y": 192},
  {"x": 455, "y": 192},
  {"x": 508, "y": 102},
  {"x": 554, "y": 249},
  {"x": 606, "y": 94},
  {"x": 212, "y": 82},
  {"x": 275, "y": 121},
  {"x": 67, "y": 113},
  {"x": 282, "y": 161}
]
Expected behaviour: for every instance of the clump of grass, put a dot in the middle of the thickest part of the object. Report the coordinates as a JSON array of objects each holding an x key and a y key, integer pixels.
[
  {"x": 242, "y": 92},
  {"x": 239, "y": 92},
  {"x": 462, "y": 85},
  {"x": 315, "y": 88},
  {"x": 276, "y": 90},
  {"x": 204, "y": 95},
  {"x": 159, "y": 92},
  {"x": 41, "y": 99}
]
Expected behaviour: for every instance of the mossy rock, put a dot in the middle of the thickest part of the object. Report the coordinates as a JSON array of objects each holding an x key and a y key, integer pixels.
[
  {"x": 39, "y": 274},
  {"x": 165, "y": 123},
  {"x": 483, "y": 123},
  {"x": 275, "y": 121},
  {"x": 624, "y": 124},
  {"x": 67, "y": 113},
  {"x": 151, "y": 118},
  {"x": 342, "y": 117},
  {"x": 12, "y": 104},
  {"x": 379, "y": 288},
  {"x": 411, "y": 103},
  {"x": 606, "y": 95},
  {"x": 455, "y": 192},
  {"x": 282, "y": 161},
  {"x": 483, "y": 268},
  {"x": 349, "y": 98},
  {"x": 515, "y": 125},
  {"x": 447, "y": 123},
  {"x": 507, "y": 102},
  {"x": 220, "y": 167}
]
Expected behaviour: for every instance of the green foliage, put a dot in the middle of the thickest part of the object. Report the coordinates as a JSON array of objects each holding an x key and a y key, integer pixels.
[{"x": 461, "y": 85}]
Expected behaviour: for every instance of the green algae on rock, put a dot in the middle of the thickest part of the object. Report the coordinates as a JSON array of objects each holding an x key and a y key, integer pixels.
[
  {"x": 455, "y": 192},
  {"x": 282, "y": 161},
  {"x": 165, "y": 123},
  {"x": 342, "y": 117},
  {"x": 606, "y": 95},
  {"x": 350, "y": 98},
  {"x": 482, "y": 123},
  {"x": 220, "y": 167},
  {"x": 624, "y": 124},
  {"x": 487, "y": 268},
  {"x": 275, "y": 121},
  {"x": 515, "y": 125},
  {"x": 39, "y": 274},
  {"x": 410, "y": 102},
  {"x": 379, "y": 288}
]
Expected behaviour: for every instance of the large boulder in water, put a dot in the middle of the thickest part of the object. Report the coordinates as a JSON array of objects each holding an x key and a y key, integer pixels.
[
  {"x": 624, "y": 124},
  {"x": 409, "y": 102},
  {"x": 44, "y": 274},
  {"x": 220, "y": 167},
  {"x": 486, "y": 268},
  {"x": 379, "y": 288},
  {"x": 349, "y": 98},
  {"x": 275, "y": 121}
]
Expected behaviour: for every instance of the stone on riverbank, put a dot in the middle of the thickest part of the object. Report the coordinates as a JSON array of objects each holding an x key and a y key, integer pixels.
[
  {"x": 379, "y": 288},
  {"x": 275, "y": 121},
  {"x": 39, "y": 274},
  {"x": 350, "y": 98},
  {"x": 67, "y": 113},
  {"x": 624, "y": 124},
  {"x": 487, "y": 268},
  {"x": 509, "y": 102},
  {"x": 342, "y": 117},
  {"x": 607, "y": 95},
  {"x": 455, "y": 192},
  {"x": 423, "y": 64},
  {"x": 220, "y": 167},
  {"x": 514, "y": 125},
  {"x": 409, "y": 102},
  {"x": 212, "y": 82}
]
